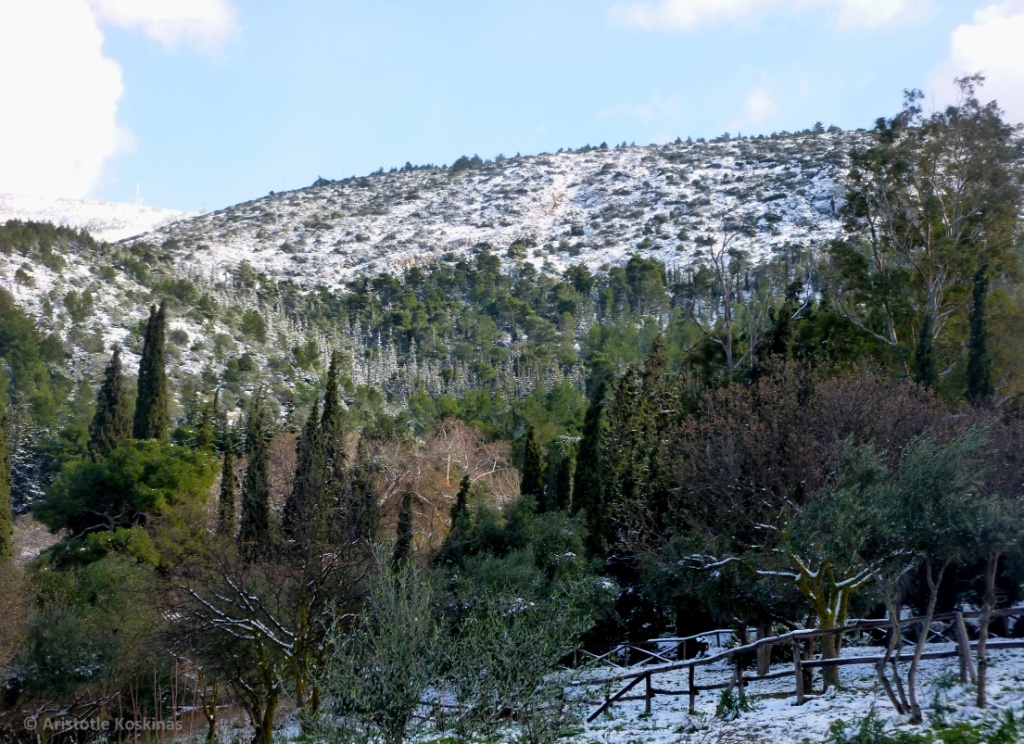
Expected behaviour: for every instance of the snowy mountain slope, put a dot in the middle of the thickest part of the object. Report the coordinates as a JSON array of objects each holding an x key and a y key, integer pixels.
[
  {"x": 595, "y": 206},
  {"x": 108, "y": 221}
]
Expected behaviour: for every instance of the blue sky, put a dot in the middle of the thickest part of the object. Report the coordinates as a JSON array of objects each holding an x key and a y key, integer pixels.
[{"x": 199, "y": 104}]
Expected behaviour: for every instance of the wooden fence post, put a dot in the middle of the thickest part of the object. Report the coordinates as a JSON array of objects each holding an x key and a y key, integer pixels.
[
  {"x": 739, "y": 676},
  {"x": 647, "y": 694},
  {"x": 964, "y": 647},
  {"x": 693, "y": 693},
  {"x": 799, "y": 672}
]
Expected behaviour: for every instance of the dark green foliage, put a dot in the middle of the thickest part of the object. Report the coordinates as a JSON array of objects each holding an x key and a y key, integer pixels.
[
  {"x": 226, "y": 500},
  {"x": 403, "y": 534},
  {"x": 300, "y": 506},
  {"x": 254, "y": 535},
  {"x": 135, "y": 482},
  {"x": 563, "y": 479},
  {"x": 151, "y": 416},
  {"x": 29, "y": 358},
  {"x": 363, "y": 500},
  {"x": 6, "y": 506},
  {"x": 925, "y": 371},
  {"x": 206, "y": 437},
  {"x": 588, "y": 495},
  {"x": 451, "y": 552},
  {"x": 979, "y": 363},
  {"x": 111, "y": 425},
  {"x": 532, "y": 483}
]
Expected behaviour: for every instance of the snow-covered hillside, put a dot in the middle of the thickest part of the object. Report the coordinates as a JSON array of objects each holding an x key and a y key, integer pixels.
[
  {"x": 107, "y": 221},
  {"x": 596, "y": 206}
]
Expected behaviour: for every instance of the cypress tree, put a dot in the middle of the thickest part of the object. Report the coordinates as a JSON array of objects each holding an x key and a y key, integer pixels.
[
  {"x": 979, "y": 365},
  {"x": 363, "y": 503},
  {"x": 111, "y": 424},
  {"x": 226, "y": 503},
  {"x": 563, "y": 480},
  {"x": 403, "y": 541},
  {"x": 332, "y": 441},
  {"x": 308, "y": 474},
  {"x": 588, "y": 486},
  {"x": 6, "y": 505},
  {"x": 151, "y": 417},
  {"x": 532, "y": 483},
  {"x": 450, "y": 553},
  {"x": 925, "y": 372},
  {"x": 206, "y": 438},
  {"x": 255, "y": 531}
]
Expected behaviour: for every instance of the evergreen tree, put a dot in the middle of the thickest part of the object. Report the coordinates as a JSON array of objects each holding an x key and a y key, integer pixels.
[
  {"x": 450, "y": 553},
  {"x": 925, "y": 372},
  {"x": 563, "y": 480},
  {"x": 979, "y": 364},
  {"x": 332, "y": 442},
  {"x": 588, "y": 486},
  {"x": 111, "y": 424},
  {"x": 532, "y": 483},
  {"x": 308, "y": 474},
  {"x": 403, "y": 541},
  {"x": 6, "y": 505},
  {"x": 255, "y": 530},
  {"x": 226, "y": 503},
  {"x": 151, "y": 418},
  {"x": 206, "y": 437},
  {"x": 363, "y": 503}
]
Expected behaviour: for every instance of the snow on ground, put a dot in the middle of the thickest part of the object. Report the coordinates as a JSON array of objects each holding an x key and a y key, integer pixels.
[
  {"x": 776, "y": 718},
  {"x": 107, "y": 221}
]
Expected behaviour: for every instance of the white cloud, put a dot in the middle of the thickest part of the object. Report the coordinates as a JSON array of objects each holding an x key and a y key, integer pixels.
[
  {"x": 687, "y": 15},
  {"x": 59, "y": 127},
  {"x": 206, "y": 24},
  {"x": 990, "y": 44},
  {"x": 60, "y": 95}
]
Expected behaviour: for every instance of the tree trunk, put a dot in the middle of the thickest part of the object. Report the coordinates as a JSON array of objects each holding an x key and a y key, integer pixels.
[
  {"x": 895, "y": 640},
  {"x": 922, "y": 640},
  {"x": 991, "y": 569},
  {"x": 830, "y": 650}
]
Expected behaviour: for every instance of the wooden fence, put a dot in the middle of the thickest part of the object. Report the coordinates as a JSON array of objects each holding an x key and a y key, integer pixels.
[{"x": 738, "y": 656}]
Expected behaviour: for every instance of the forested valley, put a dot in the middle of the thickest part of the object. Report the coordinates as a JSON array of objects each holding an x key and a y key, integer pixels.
[{"x": 403, "y": 517}]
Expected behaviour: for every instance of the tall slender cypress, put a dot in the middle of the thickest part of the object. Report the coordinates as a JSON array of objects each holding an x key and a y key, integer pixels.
[
  {"x": 979, "y": 364},
  {"x": 151, "y": 417},
  {"x": 363, "y": 503},
  {"x": 332, "y": 441},
  {"x": 111, "y": 424},
  {"x": 226, "y": 503},
  {"x": 532, "y": 483},
  {"x": 308, "y": 479},
  {"x": 588, "y": 486},
  {"x": 925, "y": 371},
  {"x": 563, "y": 479},
  {"x": 6, "y": 505},
  {"x": 255, "y": 530},
  {"x": 403, "y": 538}
]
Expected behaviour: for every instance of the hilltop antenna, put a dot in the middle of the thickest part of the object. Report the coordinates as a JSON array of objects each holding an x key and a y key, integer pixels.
[{"x": 138, "y": 194}]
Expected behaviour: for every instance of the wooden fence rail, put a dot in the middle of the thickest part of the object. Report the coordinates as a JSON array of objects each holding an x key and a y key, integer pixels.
[{"x": 796, "y": 639}]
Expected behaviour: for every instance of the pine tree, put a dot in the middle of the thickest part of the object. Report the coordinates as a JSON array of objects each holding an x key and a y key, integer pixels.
[
  {"x": 532, "y": 483},
  {"x": 226, "y": 503},
  {"x": 151, "y": 418},
  {"x": 925, "y": 372},
  {"x": 588, "y": 486},
  {"x": 979, "y": 363},
  {"x": 308, "y": 474},
  {"x": 451, "y": 550},
  {"x": 403, "y": 541},
  {"x": 255, "y": 531},
  {"x": 111, "y": 424},
  {"x": 6, "y": 505}
]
